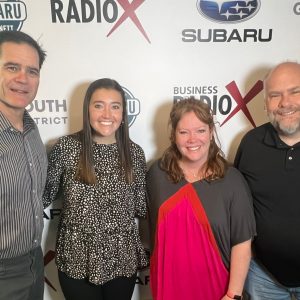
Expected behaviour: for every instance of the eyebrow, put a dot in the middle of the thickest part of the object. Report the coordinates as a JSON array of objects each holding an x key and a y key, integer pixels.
[
  {"x": 11, "y": 63},
  {"x": 194, "y": 128},
  {"x": 103, "y": 101},
  {"x": 289, "y": 89},
  {"x": 34, "y": 69},
  {"x": 294, "y": 88}
]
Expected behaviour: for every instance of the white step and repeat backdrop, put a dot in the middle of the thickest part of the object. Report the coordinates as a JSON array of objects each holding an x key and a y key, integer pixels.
[{"x": 159, "y": 51}]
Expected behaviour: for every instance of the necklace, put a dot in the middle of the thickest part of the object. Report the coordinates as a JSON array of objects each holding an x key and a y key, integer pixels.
[{"x": 190, "y": 175}]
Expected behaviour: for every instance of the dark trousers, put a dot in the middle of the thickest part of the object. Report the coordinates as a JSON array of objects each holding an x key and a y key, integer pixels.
[
  {"x": 22, "y": 278},
  {"x": 120, "y": 288}
]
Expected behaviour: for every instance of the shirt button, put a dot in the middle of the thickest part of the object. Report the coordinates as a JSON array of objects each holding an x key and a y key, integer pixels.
[
  {"x": 36, "y": 217},
  {"x": 290, "y": 158},
  {"x": 33, "y": 191}
]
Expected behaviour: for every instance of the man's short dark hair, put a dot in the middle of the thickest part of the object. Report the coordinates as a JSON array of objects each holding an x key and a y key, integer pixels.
[{"x": 20, "y": 37}]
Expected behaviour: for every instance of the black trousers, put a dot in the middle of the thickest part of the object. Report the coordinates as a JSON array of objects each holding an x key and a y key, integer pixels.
[{"x": 120, "y": 288}]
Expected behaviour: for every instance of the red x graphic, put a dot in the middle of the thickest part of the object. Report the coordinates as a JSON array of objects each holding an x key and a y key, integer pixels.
[
  {"x": 241, "y": 102},
  {"x": 47, "y": 258},
  {"x": 129, "y": 12}
]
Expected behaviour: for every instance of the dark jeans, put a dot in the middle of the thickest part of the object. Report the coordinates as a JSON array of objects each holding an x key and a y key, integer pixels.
[
  {"x": 22, "y": 278},
  {"x": 261, "y": 286},
  {"x": 120, "y": 288}
]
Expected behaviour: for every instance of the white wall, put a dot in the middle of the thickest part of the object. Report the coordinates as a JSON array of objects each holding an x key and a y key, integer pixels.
[{"x": 149, "y": 57}]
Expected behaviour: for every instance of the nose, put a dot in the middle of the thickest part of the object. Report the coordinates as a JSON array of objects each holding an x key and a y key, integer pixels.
[
  {"x": 191, "y": 137},
  {"x": 284, "y": 100},
  {"x": 107, "y": 112},
  {"x": 21, "y": 76}
]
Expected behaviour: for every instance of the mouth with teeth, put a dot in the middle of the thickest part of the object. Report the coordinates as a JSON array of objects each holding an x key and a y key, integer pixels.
[
  {"x": 286, "y": 113},
  {"x": 194, "y": 148},
  {"x": 19, "y": 91},
  {"x": 106, "y": 123}
]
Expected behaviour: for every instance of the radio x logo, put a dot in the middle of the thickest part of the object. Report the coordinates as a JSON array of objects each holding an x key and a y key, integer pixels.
[
  {"x": 129, "y": 12},
  {"x": 242, "y": 102},
  {"x": 47, "y": 259}
]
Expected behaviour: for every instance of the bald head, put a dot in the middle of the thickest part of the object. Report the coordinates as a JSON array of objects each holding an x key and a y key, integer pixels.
[
  {"x": 281, "y": 71},
  {"x": 282, "y": 100}
]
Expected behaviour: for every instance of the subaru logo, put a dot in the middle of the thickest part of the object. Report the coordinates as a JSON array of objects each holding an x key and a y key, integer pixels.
[
  {"x": 228, "y": 11},
  {"x": 12, "y": 15}
]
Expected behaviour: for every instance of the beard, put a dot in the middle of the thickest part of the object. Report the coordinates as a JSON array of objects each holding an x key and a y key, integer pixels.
[{"x": 283, "y": 127}]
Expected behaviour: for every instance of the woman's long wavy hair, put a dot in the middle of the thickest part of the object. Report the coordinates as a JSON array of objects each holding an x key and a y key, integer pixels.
[
  {"x": 216, "y": 163},
  {"x": 86, "y": 168}
]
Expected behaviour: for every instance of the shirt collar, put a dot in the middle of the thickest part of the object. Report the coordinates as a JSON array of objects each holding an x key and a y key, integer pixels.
[
  {"x": 4, "y": 123},
  {"x": 271, "y": 138},
  {"x": 28, "y": 122}
]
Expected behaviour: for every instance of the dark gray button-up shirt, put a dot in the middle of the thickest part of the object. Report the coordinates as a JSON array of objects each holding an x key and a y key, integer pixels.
[{"x": 23, "y": 168}]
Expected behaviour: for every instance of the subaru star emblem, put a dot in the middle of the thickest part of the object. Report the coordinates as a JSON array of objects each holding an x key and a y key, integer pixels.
[{"x": 228, "y": 11}]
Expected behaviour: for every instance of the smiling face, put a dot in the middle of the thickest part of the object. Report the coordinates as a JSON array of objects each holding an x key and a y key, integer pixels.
[
  {"x": 282, "y": 88},
  {"x": 105, "y": 110},
  {"x": 19, "y": 76},
  {"x": 192, "y": 138}
]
